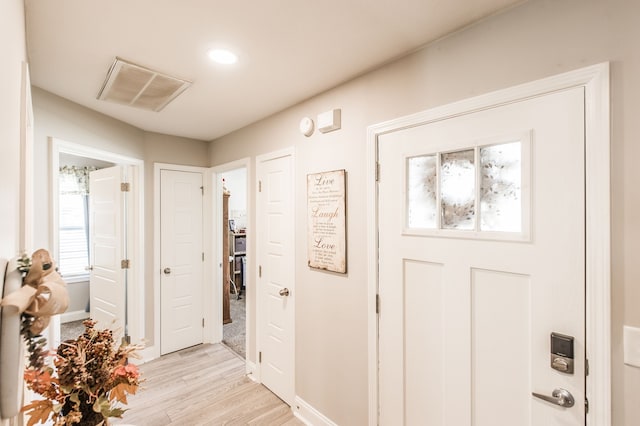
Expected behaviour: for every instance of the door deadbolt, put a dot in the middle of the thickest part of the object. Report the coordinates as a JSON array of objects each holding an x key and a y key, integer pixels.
[{"x": 562, "y": 353}]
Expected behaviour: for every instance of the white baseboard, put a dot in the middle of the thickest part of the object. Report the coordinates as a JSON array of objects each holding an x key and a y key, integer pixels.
[
  {"x": 309, "y": 415},
  {"x": 73, "y": 316},
  {"x": 148, "y": 353}
]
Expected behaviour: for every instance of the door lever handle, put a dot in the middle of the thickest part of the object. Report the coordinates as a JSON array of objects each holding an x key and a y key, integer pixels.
[{"x": 559, "y": 396}]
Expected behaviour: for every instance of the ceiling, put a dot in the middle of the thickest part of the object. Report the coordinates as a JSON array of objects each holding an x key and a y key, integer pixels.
[
  {"x": 289, "y": 50},
  {"x": 71, "y": 160}
]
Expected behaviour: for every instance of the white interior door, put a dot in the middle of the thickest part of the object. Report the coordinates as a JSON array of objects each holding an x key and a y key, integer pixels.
[
  {"x": 276, "y": 266},
  {"x": 481, "y": 258},
  {"x": 181, "y": 257},
  {"x": 107, "y": 278}
]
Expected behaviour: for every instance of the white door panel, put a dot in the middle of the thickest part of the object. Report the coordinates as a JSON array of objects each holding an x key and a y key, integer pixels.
[
  {"x": 466, "y": 314},
  {"x": 106, "y": 281},
  {"x": 181, "y": 286},
  {"x": 276, "y": 260}
]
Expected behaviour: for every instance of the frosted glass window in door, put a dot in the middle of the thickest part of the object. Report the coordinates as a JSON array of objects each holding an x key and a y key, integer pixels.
[
  {"x": 458, "y": 189},
  {"x": 501, "y": 187},
  {"x": 421, "y": 192}
]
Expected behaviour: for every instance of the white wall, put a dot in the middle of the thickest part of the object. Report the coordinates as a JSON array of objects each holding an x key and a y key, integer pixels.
[
  {"x": 78, "y": 296},
  {"x": 236, "y": 183},
  {"x": 537, "y": 39},
  {"x": 13, "y": 54},
  {"x": 65, "y": 120}
]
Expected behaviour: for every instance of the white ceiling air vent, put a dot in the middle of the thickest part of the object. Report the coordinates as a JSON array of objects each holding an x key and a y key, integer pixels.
[{"x": 140, "y": 87}]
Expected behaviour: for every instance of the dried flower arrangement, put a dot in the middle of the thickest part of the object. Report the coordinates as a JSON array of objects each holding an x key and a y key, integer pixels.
[
  {"x": 90, "y": 378},
  {"x": 86, "y": 379}
]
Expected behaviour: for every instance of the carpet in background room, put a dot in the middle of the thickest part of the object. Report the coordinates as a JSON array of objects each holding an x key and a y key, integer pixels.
[{"x": 233, "y": 334}]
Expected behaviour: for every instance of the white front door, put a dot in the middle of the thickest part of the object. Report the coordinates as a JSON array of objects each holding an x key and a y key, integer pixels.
[
  {"x": 107, "y": 278},
  {"x": 276, "y": 271},
  {"x": 481, "y": 259},
  {"x": 181, "y": 260}
]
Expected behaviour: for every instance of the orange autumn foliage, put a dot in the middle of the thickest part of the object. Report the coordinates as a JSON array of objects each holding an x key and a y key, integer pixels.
[{"x": 89, "y": 377}]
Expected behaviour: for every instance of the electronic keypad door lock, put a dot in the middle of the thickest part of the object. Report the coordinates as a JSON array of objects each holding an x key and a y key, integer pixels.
[{"x": 562, "y": 353}]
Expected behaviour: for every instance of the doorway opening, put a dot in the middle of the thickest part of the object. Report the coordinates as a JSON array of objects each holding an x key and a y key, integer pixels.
[
  {"x": 234, "y": 229},
  {"x": 73, "y": 237},
  {"x": 71, "y": 242}
]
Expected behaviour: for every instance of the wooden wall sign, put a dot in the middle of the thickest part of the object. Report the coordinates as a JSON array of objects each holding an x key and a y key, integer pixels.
[{"x": 326, "y": 226}]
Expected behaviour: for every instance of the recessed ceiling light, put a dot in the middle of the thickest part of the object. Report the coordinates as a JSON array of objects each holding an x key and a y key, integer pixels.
[{"x": 222, "y": 56}]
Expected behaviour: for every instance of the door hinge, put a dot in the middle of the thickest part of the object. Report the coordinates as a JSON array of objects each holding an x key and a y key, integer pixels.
[
  {"x": 202, "y": 322},
  {"x": 125, "y": 187},
  {"x": 586, "y": 367},
  {"x": 203, "y": 256},
  {"x": 124, "y": 264},
  {"x": 377, "y": 303},
  {"x": 260, "y": 271},
  {"x": 202, "y": 189},
  {"x": 586, "y": 405},
  {"x": 259, "y": 186},
  {"x": 377, "y": 172},
  {"x": 260, "y": 357}
]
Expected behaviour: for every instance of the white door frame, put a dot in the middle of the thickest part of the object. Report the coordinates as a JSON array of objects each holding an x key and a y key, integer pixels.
[
  {"x": 595, "y": 80},
  {"x": 135, "y": 289},
  {"x": 154, "y": 350},
  {"x": 26, "y": 163},
  {"x": 213, "y": 301}
]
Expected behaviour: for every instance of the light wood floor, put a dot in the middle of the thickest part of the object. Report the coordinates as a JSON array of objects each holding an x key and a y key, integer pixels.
[{"x": 203, "y": 385}]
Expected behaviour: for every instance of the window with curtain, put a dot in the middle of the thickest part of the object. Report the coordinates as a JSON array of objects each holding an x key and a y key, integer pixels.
[{"x": 74, "y": 221}]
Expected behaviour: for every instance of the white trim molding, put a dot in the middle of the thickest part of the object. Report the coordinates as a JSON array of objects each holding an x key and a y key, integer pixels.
[
  {"x": 250, "y": 370},
  {"x": 73, "y": 316},
  {"x": 26, "y": 163},
  {"x": 308, "y": 415},
  {"x": 595, "y": 81}
]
